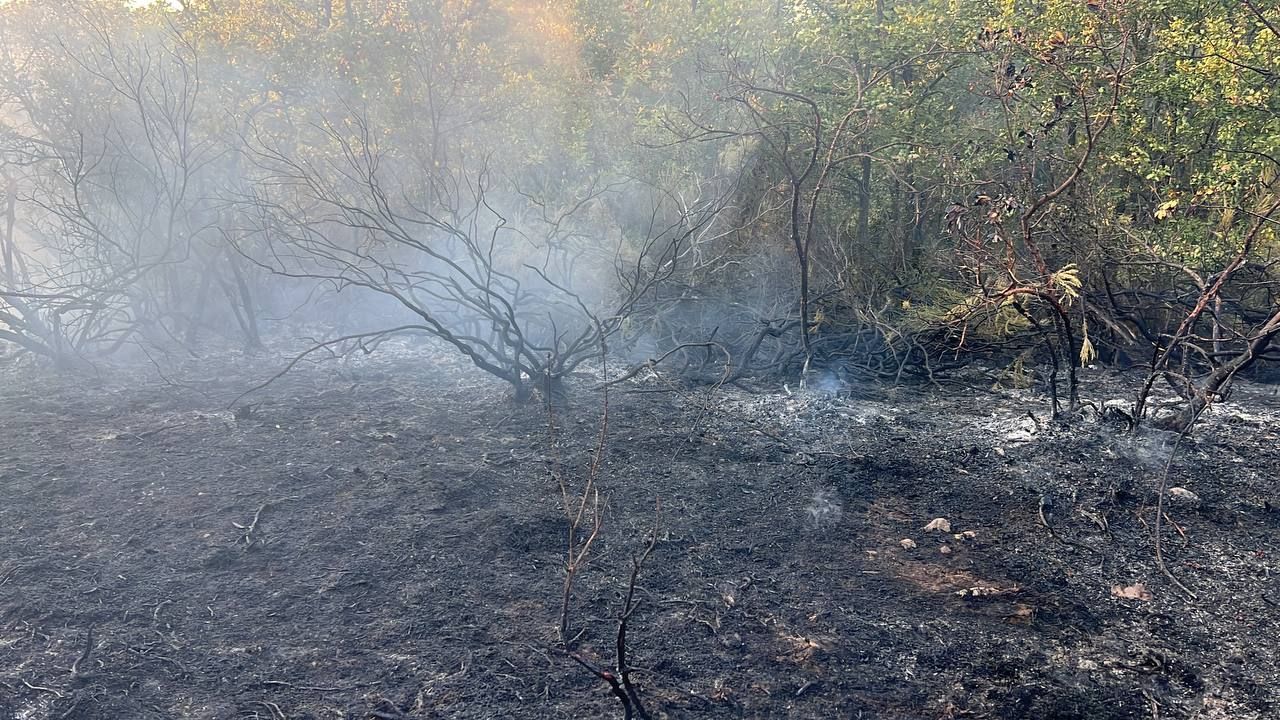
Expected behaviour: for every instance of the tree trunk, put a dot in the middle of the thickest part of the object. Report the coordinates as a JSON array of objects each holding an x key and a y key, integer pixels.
[
  {"x": 864, "y": 204},
  {"x": 197, "y": 312},
  {"x": 249, "y": 321}
]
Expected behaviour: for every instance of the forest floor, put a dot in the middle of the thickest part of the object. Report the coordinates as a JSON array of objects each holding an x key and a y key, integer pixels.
[{"x": 384, "y": 539}]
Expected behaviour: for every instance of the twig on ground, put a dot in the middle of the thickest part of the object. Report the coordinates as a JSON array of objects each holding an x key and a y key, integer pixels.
[
  {"x": 318, "y": 688},
  {"x": 76, "y": 673},
  {"x": 156, "y": 431},
  {"x": 146, "y": 654},
  {"x": 8, "y": 575},
  {"x": 42, "y": 688},
  {"x": 155, "y": 614},
  {"x": 274, "y": 709},
  {"x": 253, "y": 525},
  {"x": 1046, "y": 503}
]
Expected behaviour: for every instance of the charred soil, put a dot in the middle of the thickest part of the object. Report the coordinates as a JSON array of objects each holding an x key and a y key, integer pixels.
[{"x": 384, "y": 539}]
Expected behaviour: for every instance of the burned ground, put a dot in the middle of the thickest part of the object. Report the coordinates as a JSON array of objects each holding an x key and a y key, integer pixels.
[{"x": 384, "y": 539}]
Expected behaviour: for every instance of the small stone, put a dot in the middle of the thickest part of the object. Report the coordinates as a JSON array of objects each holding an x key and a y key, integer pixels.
[
  {"x": 939, "y": 524},
  {"x": 1136, "y": 591},
  {"x": 945, "y": 549},
  {"x": 907, "y": 544},
  {"x": 1184, "y": 496}
]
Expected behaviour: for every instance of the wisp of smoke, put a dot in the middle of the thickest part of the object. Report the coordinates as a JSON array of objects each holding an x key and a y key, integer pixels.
[
  {"x": 826, "y": 382},
  {"x": 1146, "y": 449},
  {"x": 825, "y": 509}
]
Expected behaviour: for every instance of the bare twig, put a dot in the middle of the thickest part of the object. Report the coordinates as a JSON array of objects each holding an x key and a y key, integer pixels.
[
  {"x": 324, "y": 346},
  {"x": 76, "y": 672},
  {"x": 619, "y": 677},
  {"x": 654, "y": 362},
  {"x": 42, "y": 688},
  {"x": 253, "y": 524},
  {"x": 1164, "y": 484},
  {"x": 8, "y": 574},
  {"x": 584, "y": 509},
  {"x": 156, "y": 431},
  {"x": 274, "y": 709},
  {"x": 320, "y": 688}
]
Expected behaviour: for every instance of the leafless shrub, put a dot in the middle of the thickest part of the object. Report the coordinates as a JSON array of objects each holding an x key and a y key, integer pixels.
[{"x": 524, "y": 286}]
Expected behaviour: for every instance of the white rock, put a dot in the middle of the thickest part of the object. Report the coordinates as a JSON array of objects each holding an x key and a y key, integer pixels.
[{"x": 939, "y": 524}]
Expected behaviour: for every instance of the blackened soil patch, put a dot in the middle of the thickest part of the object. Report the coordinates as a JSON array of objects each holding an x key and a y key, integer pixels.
[{"x": 385, "y": 540}]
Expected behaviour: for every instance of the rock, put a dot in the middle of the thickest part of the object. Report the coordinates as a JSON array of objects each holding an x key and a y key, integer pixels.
[
  {"x": 945, "y": 549},
  {"x": 1184, "y": 497},
  {"x": 939, "y": 524},
  {"x": 907, "y": 544},
  {"x": 1136, "y": 591}
]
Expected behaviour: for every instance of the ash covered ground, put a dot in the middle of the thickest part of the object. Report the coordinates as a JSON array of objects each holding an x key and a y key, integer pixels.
[{"x": 385, "y": 539}]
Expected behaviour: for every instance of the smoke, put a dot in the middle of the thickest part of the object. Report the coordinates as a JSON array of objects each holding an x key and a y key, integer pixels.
[
  {"x": 195, "y": 175},
  {"x": 1146, "y": 448},
  {"x": 824, "y": 510},
  {"x": 827, "y": 382}
]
